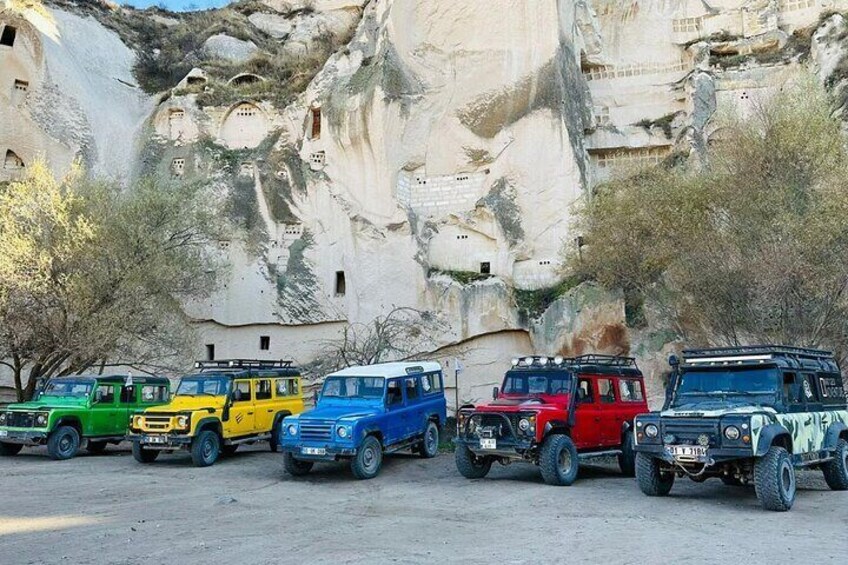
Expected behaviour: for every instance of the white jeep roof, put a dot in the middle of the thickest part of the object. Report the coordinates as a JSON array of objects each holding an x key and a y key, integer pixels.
[{"x": 387, "y": 370}]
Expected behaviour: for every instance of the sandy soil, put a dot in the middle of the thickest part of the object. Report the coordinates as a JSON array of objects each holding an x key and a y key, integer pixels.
[{"x": 109, "y": 509}]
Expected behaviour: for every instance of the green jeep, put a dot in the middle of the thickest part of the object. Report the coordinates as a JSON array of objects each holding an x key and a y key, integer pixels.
[
  {"x": 68, "y": 410},
  {"x": 745, "y": 415}
]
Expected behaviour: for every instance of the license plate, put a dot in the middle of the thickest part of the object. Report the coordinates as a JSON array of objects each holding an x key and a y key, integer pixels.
[
  {"x": 155, "y": 439},
  {"x": 687, "y": 451},
  {"x": 313, "y": 451},
  {"x": 4, "y": 433},
  {"x": 488, "y": 443}
]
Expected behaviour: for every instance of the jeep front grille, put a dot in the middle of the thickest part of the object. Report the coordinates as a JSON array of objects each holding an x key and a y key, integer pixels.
[
  {"x": 157, "y": 423},
  {"x": 495, "y": 425},
  {"x": 20, "y": 420},
  {"x": 686, "y": 431},
  {"x": 316, "y": 430}
]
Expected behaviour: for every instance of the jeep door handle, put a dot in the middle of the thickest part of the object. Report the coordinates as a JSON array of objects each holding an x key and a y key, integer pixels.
[
  {"x": 270, "y": 410},
  {"x": 250, "y": 413},
  {"x": 597, "y": 418}
]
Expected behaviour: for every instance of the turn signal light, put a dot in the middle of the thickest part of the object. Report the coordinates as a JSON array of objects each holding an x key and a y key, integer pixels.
[{"x": 746, "y": 439}]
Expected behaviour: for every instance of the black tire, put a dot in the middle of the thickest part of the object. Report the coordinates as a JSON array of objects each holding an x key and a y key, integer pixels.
[
  {"x": 731, "y": 481},
  {"x": 774, "y": 480},
  {"x": 836, "y": 471},
  {"x": 469, "y": 465},
  {"x": 627, "y": 459},
  {"x": 205, "y": 448},
  {"x": 275, "y": 435},
  {"x": 652, "y": 481},
  {"x": 296, "y": 467},
  {"x": 142, "y": 454},
  {"x": 368, "y": 460},
  {"x": 63, "y": 443},
  {"x": 229, "y": 450},
  {"x": 429, "y": 448},
  {"x": 96, "y": 447},
  {"x": 558, "y": 460},
  {"x": 9, "y": 449}
]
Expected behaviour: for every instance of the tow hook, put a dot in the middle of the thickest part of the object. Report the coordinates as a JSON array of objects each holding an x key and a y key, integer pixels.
[{"x": 709, "y": 463}]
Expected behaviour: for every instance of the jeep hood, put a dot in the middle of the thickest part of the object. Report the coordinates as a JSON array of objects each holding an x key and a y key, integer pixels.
[
  {"x": 512, "y": 405},
  {"x": 338, "y": 412},
  {"x": 48, "y": 403},
  {"x": 715, "y": 412},
  {"x": 189, "y": 403}
]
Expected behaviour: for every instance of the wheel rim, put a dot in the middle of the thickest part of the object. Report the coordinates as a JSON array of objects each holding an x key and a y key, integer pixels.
[
  {"x": 207, "y": 449},
  {"x": 564, "y": 461},
  {"x": 65, "y": 443},
  {"x": 369, "y": 459},
  {"x": 787, "y": 480},
  {"x": 431, "y": 440}
]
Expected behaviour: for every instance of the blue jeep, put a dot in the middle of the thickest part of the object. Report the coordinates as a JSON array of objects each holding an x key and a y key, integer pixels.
[{"x": 364, "y": 412}]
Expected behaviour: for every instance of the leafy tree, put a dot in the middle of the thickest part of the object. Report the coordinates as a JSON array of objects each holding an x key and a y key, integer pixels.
[
  {"x": 92, "y": 274},
  {"x": 752, "y": 247}
]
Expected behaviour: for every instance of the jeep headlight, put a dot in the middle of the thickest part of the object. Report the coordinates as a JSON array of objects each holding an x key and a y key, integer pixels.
[
  {"x": 182, "y": 422},
  {"x": 136, "y": 421},
  {"x": 2, "y": 418},
  {"x": 732, "y": 433},
  {"x": 41, "y": 419},
  {"x": 292, "y": 430},
  {"x": 652, "y": 431},
  {"x": 342, "y": 431}
]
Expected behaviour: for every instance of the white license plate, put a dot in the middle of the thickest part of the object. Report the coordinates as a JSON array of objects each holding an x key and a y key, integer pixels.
[
  {"x": 313, "y": 451},
  {"x": 4, "y": 433},
  {"x": 687, "y": 451},
  {"x": 155, "y": 439},
  {"x": 488, "y": 443}
]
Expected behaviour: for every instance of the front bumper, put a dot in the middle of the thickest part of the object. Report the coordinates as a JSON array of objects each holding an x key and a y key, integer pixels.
[
  {"x": 511, "y": 448},
  {"x": 160, "y": 441},
  {"x": 319, "y": 451},
  {"x": 24, "y": 437},
  {"x": 714, "y": 455}
]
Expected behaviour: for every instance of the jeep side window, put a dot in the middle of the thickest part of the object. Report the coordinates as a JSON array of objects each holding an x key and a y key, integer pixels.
[
  {"x": 394, "y": 395},
  {"x": 811, "y": 391},
  {"x": 630, "y": 390},
  {"x": 150, "y": 393},
  {"x": 105, "y": 394},
  {"x": 127, "y": 394},
  {"x": 792, "y": 391},
  {"x": 584, "y": 391},
  {"x": 411, "y": 384},
  {"x": 431, "y": 383},
  {"x": 241, "y": 391},
  {"x": 293, "y": 387},
  {"x": 283, "y": 387},
  {"x": 263, "y": 389},
  {"x": 605, "y": 391}
]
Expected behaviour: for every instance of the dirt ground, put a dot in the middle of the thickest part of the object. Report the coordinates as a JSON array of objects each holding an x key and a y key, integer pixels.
[{"x": 110, "y": 509}]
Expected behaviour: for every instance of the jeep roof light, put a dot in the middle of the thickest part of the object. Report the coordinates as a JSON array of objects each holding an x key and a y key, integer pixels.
[{"x": 540, "y": 361}]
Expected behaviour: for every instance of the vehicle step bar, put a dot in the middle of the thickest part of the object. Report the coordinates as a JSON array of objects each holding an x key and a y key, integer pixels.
[
  {"x": 248, "y": 439},
  {"x": 594, "y": 454}
]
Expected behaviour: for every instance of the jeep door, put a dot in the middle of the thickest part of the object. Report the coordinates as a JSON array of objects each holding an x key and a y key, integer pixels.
[
  {"x": 586, "y": 432},
  {"x": 609, "y": 416},
  {"x": 103, "y": 416},
  {"x": 265, "y": 407},
  {"x": 413, "y": 413},
  {"x": 394, "y": 423},
  {"x": 242, "y": 418}
]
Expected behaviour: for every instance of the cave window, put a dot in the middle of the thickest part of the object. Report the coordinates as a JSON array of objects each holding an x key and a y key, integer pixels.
[
  {"x": 341, "y": 285},
  {"x": 8, "y": 36},
  {"x": 195, "y": 80},
  {"x": 264, "y": 342},
  {"x": 210, "y": 351},
  {"x": 21, "y": 85},
  {"x": 485, "y": 268},
  {"x": 246, "y": 169},
  {"x": 178, "y": 167},
  {"x": 316, "y": 122},
  {"x": 12, "y": 161}
]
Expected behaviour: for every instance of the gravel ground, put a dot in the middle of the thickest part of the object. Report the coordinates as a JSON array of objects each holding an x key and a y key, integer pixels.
[{"x": 109, "y": 509}]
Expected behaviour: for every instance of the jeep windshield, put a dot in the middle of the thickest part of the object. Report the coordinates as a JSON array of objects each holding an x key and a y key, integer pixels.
[
  {"x": 353, "y": 387},
  {"x": 529, "y": 383},
  {"x": 73, "y": 389},
  {"x": 738, "y": 386},
  {"x": 204, "y": 385}
]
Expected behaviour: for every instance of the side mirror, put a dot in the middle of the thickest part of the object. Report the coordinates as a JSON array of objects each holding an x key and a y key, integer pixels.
[
  {"x": 237, "y": 395},
  {"x": 495, "y": 393},
  {"x": 673, "y": 360},
  {"x": 314, "y": 397},
  {"x": 98, "y": 396}
]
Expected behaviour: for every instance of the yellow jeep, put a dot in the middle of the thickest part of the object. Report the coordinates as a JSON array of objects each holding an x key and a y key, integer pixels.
[{"x": 225, "y": 404}]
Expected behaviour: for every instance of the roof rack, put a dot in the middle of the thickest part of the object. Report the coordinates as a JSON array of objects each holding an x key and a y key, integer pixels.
[
  {"x": 605, "y": 360},
  {"x": 787, "y": 350},
  {"x": 233, "y": 364}
]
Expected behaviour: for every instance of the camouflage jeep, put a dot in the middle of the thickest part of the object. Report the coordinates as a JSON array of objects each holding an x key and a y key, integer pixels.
[{"x": 747, "y": 414}]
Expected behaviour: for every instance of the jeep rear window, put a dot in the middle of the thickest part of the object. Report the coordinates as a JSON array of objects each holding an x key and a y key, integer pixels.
[
  {"x": 353, "y": 387},
  {"x": 205, "y": 385},
  {"x": 536, "y": 383},
  {"x": 79, "y": 389}
]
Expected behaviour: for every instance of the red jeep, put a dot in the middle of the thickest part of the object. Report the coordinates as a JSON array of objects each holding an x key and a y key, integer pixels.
[{"x": 554, "y": 412}]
